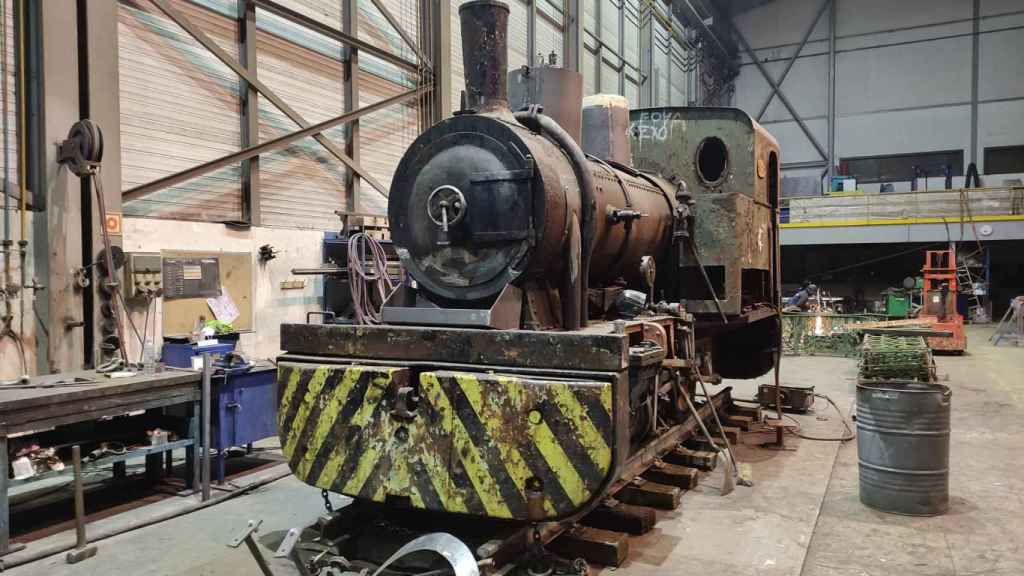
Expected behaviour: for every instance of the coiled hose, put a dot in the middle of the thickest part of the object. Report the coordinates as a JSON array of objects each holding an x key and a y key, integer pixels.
[{"x": 368, "y": 278}]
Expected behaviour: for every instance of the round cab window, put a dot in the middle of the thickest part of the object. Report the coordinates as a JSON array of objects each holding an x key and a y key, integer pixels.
[{"x": 712, "y": 161}]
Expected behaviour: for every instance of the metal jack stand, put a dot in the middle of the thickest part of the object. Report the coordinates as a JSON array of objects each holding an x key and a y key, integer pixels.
[
  {"x": 289, "y": 549},
  {"x": 254, "y": 548},
  {"x": 83, "y": 550},
  {"x": 778, "y": 423}
]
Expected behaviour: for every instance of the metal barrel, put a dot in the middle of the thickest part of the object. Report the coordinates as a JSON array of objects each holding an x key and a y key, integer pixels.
[{"x": 903, "y": 446}]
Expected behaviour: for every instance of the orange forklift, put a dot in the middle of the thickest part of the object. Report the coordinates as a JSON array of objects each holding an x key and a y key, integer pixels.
[{"x": 939, "y": 296}]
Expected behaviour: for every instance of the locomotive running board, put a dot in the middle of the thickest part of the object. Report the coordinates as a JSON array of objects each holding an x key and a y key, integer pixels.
[{"x": 501, "y": 348}]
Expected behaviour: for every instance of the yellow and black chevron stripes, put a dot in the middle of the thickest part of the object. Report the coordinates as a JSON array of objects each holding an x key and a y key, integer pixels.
[
  {"x": 328, "y": 418},
  {"x": 473, "y": 446}
]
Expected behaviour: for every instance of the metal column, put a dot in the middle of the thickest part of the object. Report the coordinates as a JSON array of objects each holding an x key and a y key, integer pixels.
[
  {"x": 646, "y": 57},
  {"x": 442, "y": 60},
  {"x": 572, "y": 37},
  {"x": 61, "y": 235},
  {"x": 831, "y": 158},
  {"x": 104, "y": 108},
  {"x": 249, "y": 112},
  {"x": 438, "y": 32},
  {"x": 206, "y": 424},
  {"x": 599, "y": 55},
  {"x": 975, "y": 35},
  {"x": 350, "y": 23},
  {"x": 531, "y": 33}
]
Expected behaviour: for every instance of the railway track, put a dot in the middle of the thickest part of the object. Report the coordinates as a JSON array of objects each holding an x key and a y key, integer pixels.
[{"x": 362, "y": 536}]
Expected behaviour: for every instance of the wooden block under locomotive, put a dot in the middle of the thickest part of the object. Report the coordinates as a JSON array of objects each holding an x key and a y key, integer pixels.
[{"x": 556, "y": 309}]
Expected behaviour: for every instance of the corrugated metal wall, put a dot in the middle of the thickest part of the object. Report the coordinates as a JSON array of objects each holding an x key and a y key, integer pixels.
[
  {"x": 11, "y": 149},
  {"x": 549, "y": 29},
  {"x": 180, "y": 107},
  {"x": 385, "y": 135},
  {"x": 300, "y": 186}
]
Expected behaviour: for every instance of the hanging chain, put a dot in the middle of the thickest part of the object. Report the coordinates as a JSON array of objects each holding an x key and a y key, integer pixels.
[{"x": 327, "y": 501}]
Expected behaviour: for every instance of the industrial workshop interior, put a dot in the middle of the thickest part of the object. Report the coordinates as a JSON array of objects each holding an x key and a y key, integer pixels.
[{"x": 512, "y": 287}]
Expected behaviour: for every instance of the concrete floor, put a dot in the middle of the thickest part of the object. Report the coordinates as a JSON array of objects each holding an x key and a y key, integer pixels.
[{"x": 801, "y": 517}]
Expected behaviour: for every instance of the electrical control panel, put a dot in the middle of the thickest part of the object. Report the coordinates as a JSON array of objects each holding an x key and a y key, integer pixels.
[{"x": 143, "y": 275}]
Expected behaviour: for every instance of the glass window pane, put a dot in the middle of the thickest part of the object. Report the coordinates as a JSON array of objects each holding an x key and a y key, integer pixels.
[
  {"x": 610, "y": 24},
  {"x": 609, "y": 79},
  {"x": 632, "y": 93},
  {"x": 590, "y": 16},
  {"x": 589, "y": 72},
  {"x": 660, "y": 67},
  {"x": 678, "y": 75},
  {"x": 631, "y": 36},
  {"x": 517, "y": 31},
  {"x": 549, "y": 38}
]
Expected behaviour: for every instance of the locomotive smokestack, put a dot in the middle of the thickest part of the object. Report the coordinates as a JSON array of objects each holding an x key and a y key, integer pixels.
[{"x": 485, "y": 54}]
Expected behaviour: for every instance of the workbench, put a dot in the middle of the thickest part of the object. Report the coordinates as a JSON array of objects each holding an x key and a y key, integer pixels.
[{"x": 75, "y": 397}]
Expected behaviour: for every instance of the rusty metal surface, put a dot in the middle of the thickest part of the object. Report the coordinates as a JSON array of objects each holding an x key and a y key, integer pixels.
[
  {"x": 558, "y": 90},
  {"x": 529, "y": 349},
  {"x": 620, "y": 243},
  {"x": 485, "y": 53},
  {"x": 470, "y": 443},
  {"x": 735, "y": 220},
  {"x": 606, "y": 128}
]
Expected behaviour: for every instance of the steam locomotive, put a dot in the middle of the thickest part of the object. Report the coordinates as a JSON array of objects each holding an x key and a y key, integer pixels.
[{"x": 558, "y": 298}]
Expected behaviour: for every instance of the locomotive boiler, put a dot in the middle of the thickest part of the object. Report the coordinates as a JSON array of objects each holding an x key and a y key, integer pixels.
[{"x": 559, "y": 301}]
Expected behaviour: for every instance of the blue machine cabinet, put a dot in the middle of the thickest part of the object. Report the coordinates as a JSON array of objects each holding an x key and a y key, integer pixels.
[{"x": 244, "y": 409}]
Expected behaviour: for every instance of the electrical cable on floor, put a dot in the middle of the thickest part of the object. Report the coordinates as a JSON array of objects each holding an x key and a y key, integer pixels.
[
  {"x": 368, "y": 282},
  {"x": 849, "y": 435}
]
